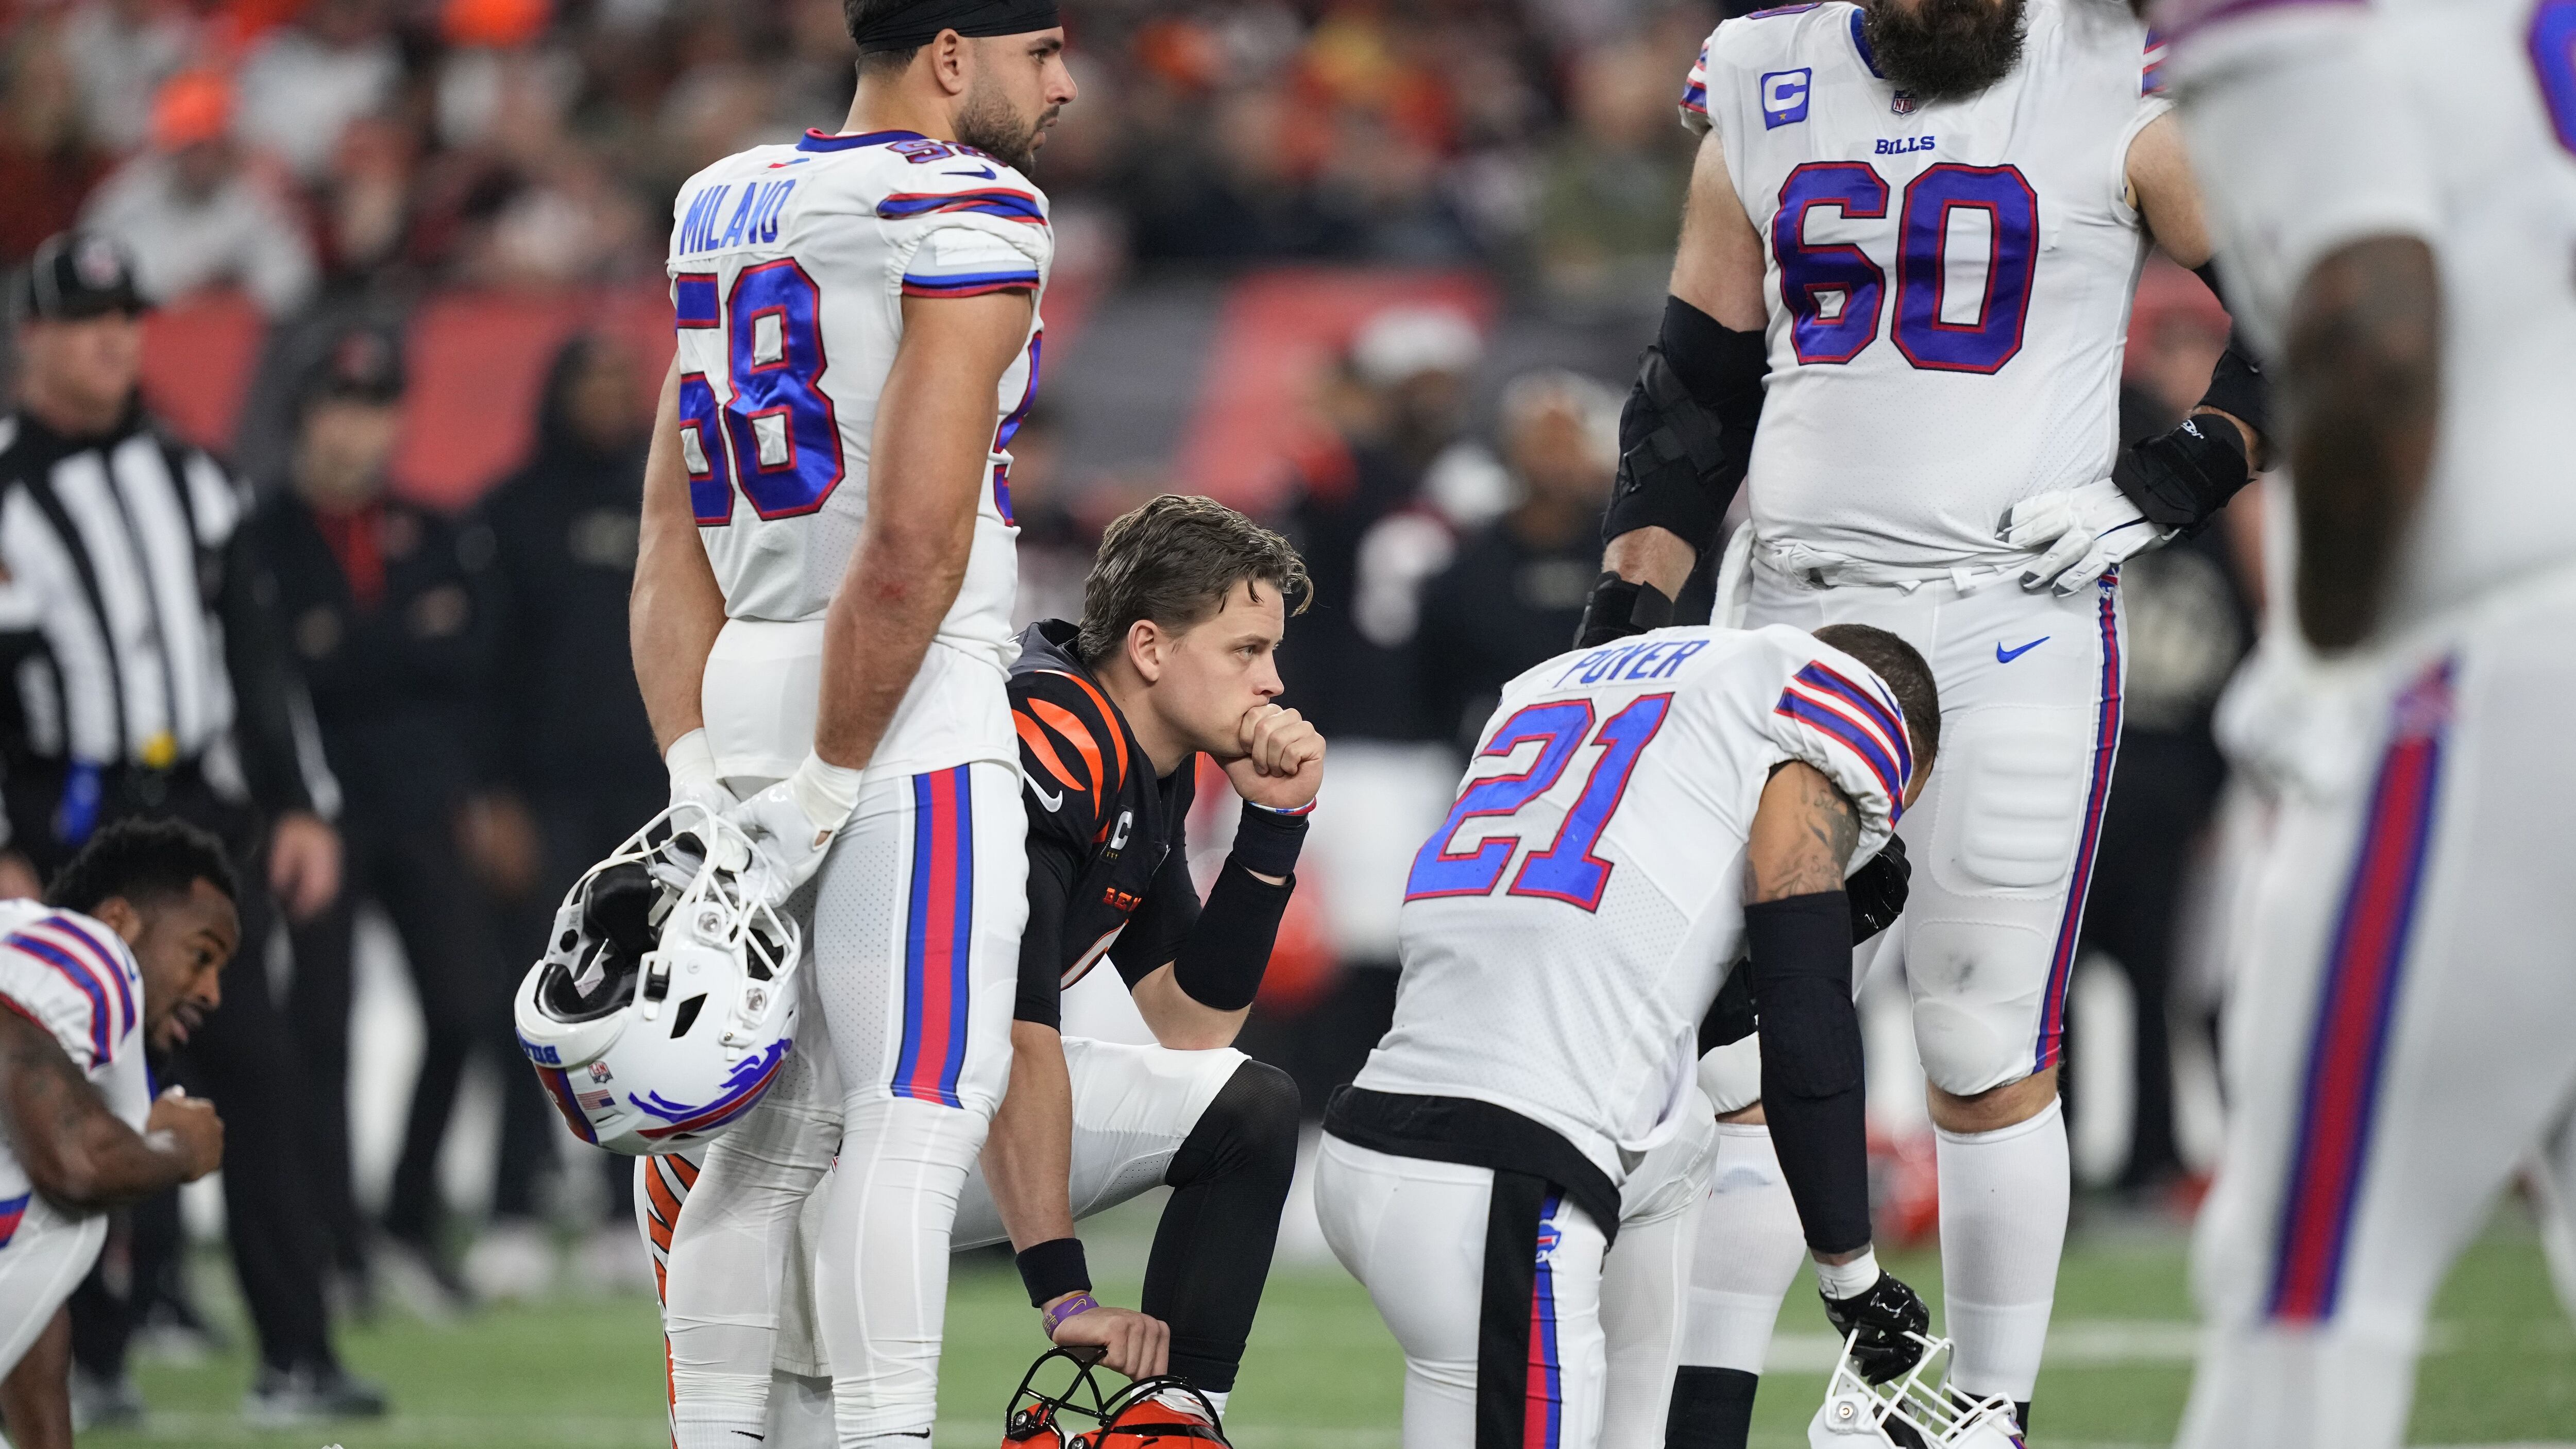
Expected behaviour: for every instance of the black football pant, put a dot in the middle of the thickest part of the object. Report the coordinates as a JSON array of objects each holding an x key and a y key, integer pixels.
[{"x": 416, "y": 873}]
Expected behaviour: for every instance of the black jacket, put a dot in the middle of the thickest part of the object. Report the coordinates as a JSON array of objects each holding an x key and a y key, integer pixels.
[{"x": 397, "y": 681}]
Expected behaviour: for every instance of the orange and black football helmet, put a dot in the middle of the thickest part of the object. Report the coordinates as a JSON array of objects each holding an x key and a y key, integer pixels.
[{"x": 1134, "y": 1417}]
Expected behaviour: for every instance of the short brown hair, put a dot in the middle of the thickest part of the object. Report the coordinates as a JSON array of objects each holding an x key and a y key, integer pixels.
[
  {"x": 1906, "y": 675},
  {"x": 1172, "y": 561}
]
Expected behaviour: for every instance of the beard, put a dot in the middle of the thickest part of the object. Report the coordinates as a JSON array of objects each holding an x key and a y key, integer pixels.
[
  {"x": 989, "y": 123},
  {"x": 1943, "y": 49}
]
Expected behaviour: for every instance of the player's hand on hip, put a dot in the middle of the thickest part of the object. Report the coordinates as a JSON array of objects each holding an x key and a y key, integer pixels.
[
  {"x": 1282, "y": 765},
  {"x": 2080, "y": 534},
  {"x": 1132, "y": 1343},
  {"x": 193, "y": 1127},
  {"x": 1889, "y": 1319},
  {"x": 791, "y": 825}
]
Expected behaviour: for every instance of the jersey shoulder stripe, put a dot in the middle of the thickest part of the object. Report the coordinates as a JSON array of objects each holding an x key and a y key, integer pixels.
[
  {"x": 1009, "y": 205},
  {"x": 1872, "y": 703},
  {"x": 1840, "y": 729},
  {"x": 91, "y": 1016},
  {"x": 111, "y": 964}
]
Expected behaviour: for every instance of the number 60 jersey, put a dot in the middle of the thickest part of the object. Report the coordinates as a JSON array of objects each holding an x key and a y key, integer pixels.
[
  {"x": 1563, "y": 931},
  {"x": 789, "y": 268},
  {"x": 1948, "y": 281}
]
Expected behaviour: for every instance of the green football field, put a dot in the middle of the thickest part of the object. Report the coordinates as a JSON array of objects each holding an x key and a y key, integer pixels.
[{"x": 582, "y": 1372}]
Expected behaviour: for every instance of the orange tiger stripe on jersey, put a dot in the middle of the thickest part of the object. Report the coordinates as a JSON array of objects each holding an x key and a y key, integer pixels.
[
  {"x": 1117, "y": 736},
  {"x": 666, "y": 1203},
  {"x": 1066, "y": 723},
  {"x": 1035, "y": 738},
  {"x": 685, "y": 1170}
]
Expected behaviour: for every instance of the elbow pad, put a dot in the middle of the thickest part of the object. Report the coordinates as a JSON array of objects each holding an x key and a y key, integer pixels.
[
  {"x": 1811, "y": 1062},
  {"x": 1686, "y": 433},
  {"x": 2182, "y": 478}
]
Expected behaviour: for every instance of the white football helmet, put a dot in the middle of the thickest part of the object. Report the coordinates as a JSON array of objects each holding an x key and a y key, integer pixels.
[
  {"x": 1917, "y": 1411},
  {"x": 666, "y": 1000}
]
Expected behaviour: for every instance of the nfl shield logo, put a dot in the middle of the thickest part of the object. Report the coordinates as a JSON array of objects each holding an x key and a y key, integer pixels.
[
  {"x": 599, "y": 1072},
  {"x": 1903, "y": 104}
]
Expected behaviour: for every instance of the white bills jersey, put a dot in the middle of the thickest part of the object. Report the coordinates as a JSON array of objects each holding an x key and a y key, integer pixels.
[
  {"x": 789, "y": 266},
  {"x": 76, "y": 979},
  {"x": 2479, "y": 97},
  {"x": 1948, "y": 281},
  {"x": 1565, "y": 929}
]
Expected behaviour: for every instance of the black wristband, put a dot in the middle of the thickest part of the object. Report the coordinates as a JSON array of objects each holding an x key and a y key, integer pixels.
[
  {"x": 1812, "y": 1091},
  {"x": 1267, "y": 841},
  {"x": 1618, "y": 609},
  {"x": 1221, "y": 961},
  {"x": 1052, "y": 1269}
]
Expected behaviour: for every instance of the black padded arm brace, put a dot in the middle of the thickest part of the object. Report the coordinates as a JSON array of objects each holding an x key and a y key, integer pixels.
[
  {"x": 1686, "y": 433},
  {"x": 1811, "y": 1064}
]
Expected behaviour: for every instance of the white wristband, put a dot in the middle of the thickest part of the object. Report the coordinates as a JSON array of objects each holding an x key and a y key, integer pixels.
[
  {"x": 826, "y": 792},
  {"x": 1849, "y": 1280},
  {"x": 691, "y": 761}
]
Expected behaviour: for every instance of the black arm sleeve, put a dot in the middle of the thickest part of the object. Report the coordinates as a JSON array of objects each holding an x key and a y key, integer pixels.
[
  {"x": 1811, "y": 1062},
  {"x": 1221, "y": 961},
  {"x": 272, "y": 718},
  {"x": 1686, "y": 433},
  {"x": 1054, "y": 868}
]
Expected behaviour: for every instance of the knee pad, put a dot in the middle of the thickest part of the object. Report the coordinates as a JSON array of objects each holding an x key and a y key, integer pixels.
[
  {"x": 1251, "y": 1125},
  {"x": 1971, "y": 1046}
]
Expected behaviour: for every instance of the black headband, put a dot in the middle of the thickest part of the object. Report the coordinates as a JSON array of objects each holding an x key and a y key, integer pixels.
[{"x": 902, "y": 27}]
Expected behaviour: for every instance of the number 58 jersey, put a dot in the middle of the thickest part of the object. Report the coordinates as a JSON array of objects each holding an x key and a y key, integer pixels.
[
  {"x": 789, "y": 268},
  {"x": 1948, "y": 281},
  {"x": 1565, "y": 928}
]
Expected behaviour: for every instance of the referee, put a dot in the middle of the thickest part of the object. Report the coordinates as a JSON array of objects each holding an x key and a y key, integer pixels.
[{"x": 148, "y": 681}]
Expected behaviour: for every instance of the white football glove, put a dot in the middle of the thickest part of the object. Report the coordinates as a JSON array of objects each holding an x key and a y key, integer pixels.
[
  {"x": 791, "y": 825},
  {"x": 694, "y": 782},
  {"x": 2080, "y": 534}
]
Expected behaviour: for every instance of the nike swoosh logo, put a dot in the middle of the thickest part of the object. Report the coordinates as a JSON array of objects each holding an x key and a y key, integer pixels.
[
  {"x": 746, "y": 1433},
  {"x": 984, "y": 171},
  {"x": 2007, "y": 656},
  {"x": 1053, "y": 803}
]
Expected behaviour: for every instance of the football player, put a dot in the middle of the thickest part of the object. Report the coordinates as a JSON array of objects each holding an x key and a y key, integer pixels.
[
  {"x": 1173, "y": 659},
  {"x": 822, "y": 628},
  {"x": 1637, "y": 815},
  {"x": 2397, "y": 1043},
  {"x": 1912, "y": 235},
  {"x": 122, "y": 958}
]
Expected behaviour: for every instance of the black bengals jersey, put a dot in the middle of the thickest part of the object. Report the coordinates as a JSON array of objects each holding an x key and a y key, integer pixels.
[{"x": 1108, "y": 859}]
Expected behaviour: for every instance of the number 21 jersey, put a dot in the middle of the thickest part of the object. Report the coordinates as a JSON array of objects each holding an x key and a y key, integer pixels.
[
  {"x": 789, "y": 269},
  {"x": 1563, "y": 930},
  {"x": 1948, "y": 281}
]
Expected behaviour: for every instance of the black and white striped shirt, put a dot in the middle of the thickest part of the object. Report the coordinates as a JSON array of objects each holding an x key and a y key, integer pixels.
[{"x": 136, "y": 617}]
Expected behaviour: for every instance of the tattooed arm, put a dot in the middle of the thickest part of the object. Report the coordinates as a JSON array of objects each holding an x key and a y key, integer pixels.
[
  {"x": 1804, "y": 833},
  {"x": 76, "y": 1151}
]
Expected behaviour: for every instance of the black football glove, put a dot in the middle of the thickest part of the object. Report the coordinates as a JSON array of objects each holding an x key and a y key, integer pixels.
[
  {"x": 1877, "y": 890},
  {"x": 1883, "y": 1317},
  {"x": 1730, "y": 1017}
]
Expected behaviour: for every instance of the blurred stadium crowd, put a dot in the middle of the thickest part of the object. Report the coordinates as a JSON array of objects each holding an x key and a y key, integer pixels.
[{"x": 1441, "y": 450}]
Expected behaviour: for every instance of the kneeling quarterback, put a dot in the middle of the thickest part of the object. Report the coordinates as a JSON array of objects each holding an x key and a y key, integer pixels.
[
  {"x": 1637, "y": 816},
  {"x": 1182, "y": 614}
]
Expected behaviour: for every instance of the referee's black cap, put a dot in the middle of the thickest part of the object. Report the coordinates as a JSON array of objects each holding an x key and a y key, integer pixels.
[
  {"x": 77, "y": 274},
  {"x": 362, "y": 364}
]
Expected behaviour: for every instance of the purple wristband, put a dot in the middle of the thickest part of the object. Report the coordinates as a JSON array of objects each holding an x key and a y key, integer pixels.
[{"x": 1079, "y": 1303}]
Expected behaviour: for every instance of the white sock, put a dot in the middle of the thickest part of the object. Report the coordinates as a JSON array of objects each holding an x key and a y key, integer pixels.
[
  {"x": 1750, "y": 1246},
  {"x": 721, "y": 1411},
  {"x": 2003, "y": 1226}
]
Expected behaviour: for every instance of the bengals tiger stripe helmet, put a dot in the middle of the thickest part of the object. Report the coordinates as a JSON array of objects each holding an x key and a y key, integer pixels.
[{"x": 1135, "y": 1417}]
